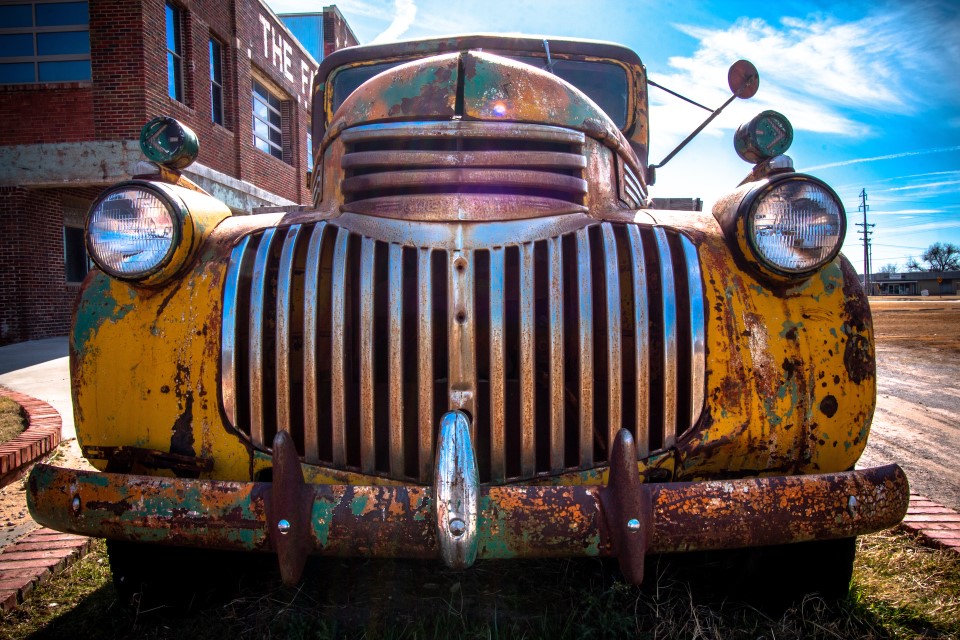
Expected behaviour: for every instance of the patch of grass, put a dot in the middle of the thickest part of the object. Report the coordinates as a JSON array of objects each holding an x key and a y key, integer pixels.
[
  {"x": 913, "y": 590},
  {"x": 901, "y": 590},
  {"x": 12, "y": 419}
]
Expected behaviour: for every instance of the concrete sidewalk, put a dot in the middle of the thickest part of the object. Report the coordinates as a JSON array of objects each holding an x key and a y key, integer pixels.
[{"x": 40, "y": 369}]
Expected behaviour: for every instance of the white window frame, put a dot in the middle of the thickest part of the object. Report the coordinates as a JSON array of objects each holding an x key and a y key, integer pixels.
[
  {"x": 34, "y": 30},
  {"x": 273, "y": 148}
]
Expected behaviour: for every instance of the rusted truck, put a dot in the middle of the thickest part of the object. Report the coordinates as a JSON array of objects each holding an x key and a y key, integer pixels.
[{"x": 483, "y": 339}]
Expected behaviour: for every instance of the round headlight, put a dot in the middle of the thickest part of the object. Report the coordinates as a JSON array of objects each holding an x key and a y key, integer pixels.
[
  {"x": 132, "y": 232},
  {"x": 795, "y": 225}
]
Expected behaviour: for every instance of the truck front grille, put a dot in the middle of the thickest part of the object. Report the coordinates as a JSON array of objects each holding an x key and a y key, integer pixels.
[
  {"x": 357, "y": 347},
  {"x": 416, "y": 169}
]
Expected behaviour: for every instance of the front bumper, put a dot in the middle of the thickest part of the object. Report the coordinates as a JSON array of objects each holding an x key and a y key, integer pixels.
[{"x": 625, "y": 518}]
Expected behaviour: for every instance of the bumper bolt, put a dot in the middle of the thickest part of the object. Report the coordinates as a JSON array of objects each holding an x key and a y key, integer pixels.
[
  {"x": 633, "y": 524},
  {"x": 852, "y": 506},
  {"x": 283, "y": 527},
  {"x": 75, "y": 505},
  {"x": 457, "y": 527}
]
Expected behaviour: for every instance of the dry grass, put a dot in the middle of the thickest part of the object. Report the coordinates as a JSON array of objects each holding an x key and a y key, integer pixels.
[
  {"x": 12, "y": 419},
  {"x": 901, "y": 590}
]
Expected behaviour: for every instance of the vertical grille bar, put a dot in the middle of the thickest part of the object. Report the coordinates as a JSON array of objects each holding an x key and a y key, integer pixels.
[
  {"x": 641, "y": 340},
  {"x": 669, "y": 339},
  {"x": 395, "y": 293},
  {"x": 555, "y": 294},
  {"x": 367, "y": 443},
  {"x": 461, "y": 328},
  {"x": 425, "y": 364},
  {"x": 338, "y": 383},
  {"x": 530, "y": 350},
  {"x": 311, "y": 295},
  {"x": 258, "y": 287},
  {"x": 498, "y": 463},
  {"x": 614, "y": 348},
  {"x": 528, "y": 459},
  {"x": 698, "y": 348},
  {"x": 228, "y": 354},
  {"x": 284, "y": 284},
  {"x": 585, "y": 325}
]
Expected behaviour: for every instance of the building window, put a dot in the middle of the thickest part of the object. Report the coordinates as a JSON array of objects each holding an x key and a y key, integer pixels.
[
  {"x": 44, "y": 42},
  {"x": 267, "y": 121},
  {"x": 309, "y": 152},
  {"x": 216, "y": 81},
  {"x": 174, "y": 53},
  {"x": 76, "y": 262}
]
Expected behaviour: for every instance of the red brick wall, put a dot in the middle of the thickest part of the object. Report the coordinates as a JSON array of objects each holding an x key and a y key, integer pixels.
[
  {"x": 34, "y": 114},
  {"x": 128, "y": 87},
  {"x": 35, "y": 300}
]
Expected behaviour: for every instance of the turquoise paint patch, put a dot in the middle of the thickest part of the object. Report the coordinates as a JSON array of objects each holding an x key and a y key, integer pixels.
[
  {"x": 790, "y": 326},
  {"x": 97, "y": 305},
  {"x": 322, "y": 516},
  {"x": 358, "y": 505},
  {"x": 831, "y": 277}
]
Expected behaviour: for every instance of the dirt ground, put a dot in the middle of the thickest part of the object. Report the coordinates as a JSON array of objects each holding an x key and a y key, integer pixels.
[{"x": 917, "y": 420}]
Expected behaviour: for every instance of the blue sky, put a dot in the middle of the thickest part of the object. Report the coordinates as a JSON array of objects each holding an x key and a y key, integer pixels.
[{"x": 871, "y": 88}]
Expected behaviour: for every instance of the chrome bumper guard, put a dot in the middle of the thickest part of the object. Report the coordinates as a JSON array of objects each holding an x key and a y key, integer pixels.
[{"x": 458, "y": 520}]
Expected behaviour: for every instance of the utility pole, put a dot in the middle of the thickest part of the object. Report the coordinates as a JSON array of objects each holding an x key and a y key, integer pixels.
[{"x": 866, "y": 239}]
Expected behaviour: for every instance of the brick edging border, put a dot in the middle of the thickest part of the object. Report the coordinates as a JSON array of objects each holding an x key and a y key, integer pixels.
[
  {"x": 939, "y": 526},
  {"x": 33, "y": 559},
  {"x": 41, "y": 436}
]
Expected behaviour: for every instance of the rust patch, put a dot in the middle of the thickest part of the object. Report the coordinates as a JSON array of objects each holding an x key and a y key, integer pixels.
[
  {"x": 856, "y": 307},
  {"x": 858, "y": 359},
  {"x": 829, "y": 406}
]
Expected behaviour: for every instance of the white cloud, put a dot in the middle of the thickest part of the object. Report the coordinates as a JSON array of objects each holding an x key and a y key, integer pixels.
[
  {"x": 404, "y": 13},
  {"x": 929, "y": 185},
  {"x": 892, "y": 156},
  {"x": 820, "y": 71}
]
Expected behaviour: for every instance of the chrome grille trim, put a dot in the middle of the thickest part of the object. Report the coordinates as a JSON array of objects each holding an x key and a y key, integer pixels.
[
  {"x": 545, "y": 397},
  {"x": 258, "y": 287},
  {"x": 641, "y": 337},
  {"x": 311, "y": 329},
  {"x": 284, "y": 329},
  {"x": 395, "y": 359},
  {"x": 498, "y": 376},
  {"x": 698, "y": 346},
  {"x": 367, "y": 442},
  {"x": 228, "y": 338},
  {"x": 614, "y": 333},
  {"x": 585, "y": 326},
  {"x": 527, "y": 357},
  {"x": 669, "y": 307},
  {"x": 425, "y": 420},
  {"x": 557, "y": 400},
  {"x": 338, "y": 394}
]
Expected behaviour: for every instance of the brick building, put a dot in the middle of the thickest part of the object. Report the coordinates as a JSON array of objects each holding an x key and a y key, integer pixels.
[{"x": 78, "y": 80}]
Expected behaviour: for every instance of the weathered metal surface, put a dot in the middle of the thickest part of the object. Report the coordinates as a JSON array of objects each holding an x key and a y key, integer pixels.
[
  {"x": 421, "y": 89},
  {"x": 512, "y": 521},
  {"x": 627, "y": 508},
  {"x": 288, "y": 511},
  {"x": 455, "y": 182}
]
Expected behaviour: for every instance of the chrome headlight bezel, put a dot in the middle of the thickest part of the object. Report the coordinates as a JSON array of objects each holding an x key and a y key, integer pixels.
[
  {"x": 743, "y": 225},
  {"x": 176, "y": 210}
]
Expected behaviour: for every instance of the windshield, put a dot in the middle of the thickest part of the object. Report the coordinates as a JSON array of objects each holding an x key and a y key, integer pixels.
[{"x": 604, "y": 82}]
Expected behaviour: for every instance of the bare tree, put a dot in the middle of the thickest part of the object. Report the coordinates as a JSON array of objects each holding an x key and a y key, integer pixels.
[
  {"x": 913, "y": 265},
  {"x": 889, "y": 268},
  {"x": 942, "y": 256}
]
